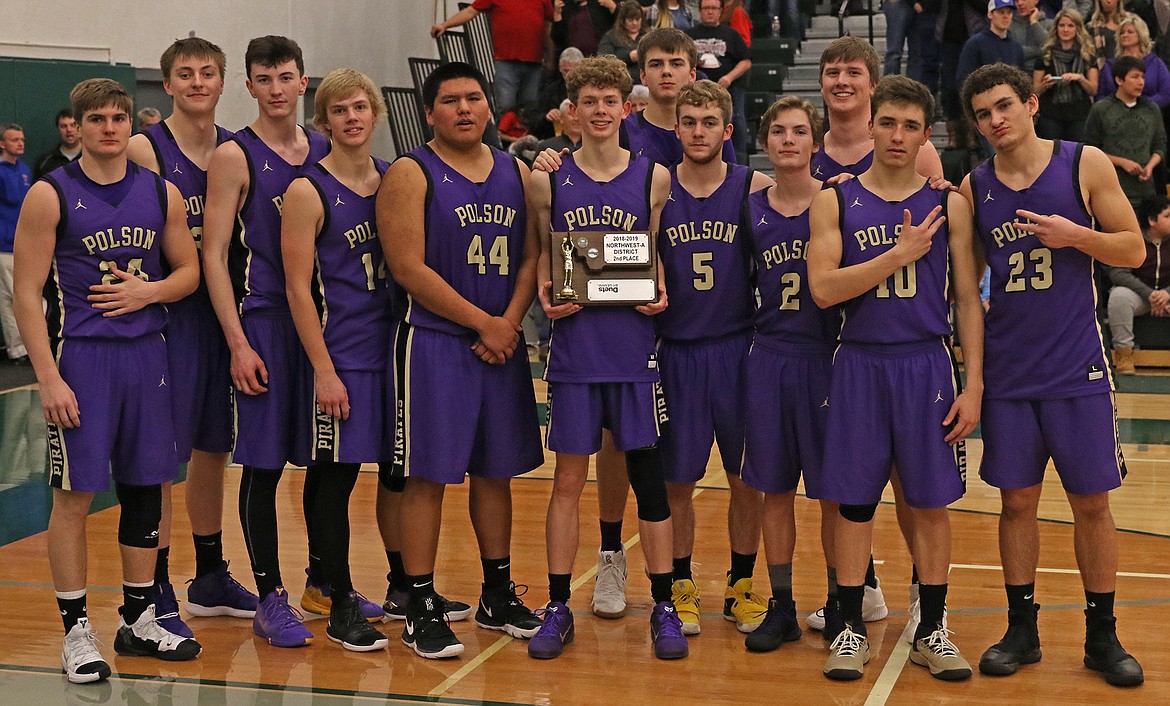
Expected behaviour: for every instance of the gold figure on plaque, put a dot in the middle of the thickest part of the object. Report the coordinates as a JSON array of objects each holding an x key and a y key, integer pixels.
[{"x": 567, "y": 293}]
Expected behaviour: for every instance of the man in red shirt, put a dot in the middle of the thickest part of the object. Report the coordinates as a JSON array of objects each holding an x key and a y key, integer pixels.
[{"x": 520, "y": 38}]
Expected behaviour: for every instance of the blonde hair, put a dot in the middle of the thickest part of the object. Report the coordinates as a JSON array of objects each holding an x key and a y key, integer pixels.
[
  {"x": 599, "y": 72},
  {"x": 339, "y": 85},
  {"x": 1145, "y": 44},
  {"x": 784, "y": 104},
  {"x": 702, "y": 93},
  {"x": 97, "y": 93},
  {"x": 1087, "y": 49}
]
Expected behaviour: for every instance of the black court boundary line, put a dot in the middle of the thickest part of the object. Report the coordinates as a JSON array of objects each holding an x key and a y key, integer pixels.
[{"x": 414, "y": 698}]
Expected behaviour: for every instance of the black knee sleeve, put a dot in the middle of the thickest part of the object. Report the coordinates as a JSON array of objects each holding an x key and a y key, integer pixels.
[
  {"x": 858, "y": 513},
  {"x": 141, "y": 514},
  {"x": 644, "y": 467},
  {"x": 391, "y": 478}
]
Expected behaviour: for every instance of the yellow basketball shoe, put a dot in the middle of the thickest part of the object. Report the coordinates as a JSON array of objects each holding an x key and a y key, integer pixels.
[
  {"x": 685, "y": 596},
  {"x": 741, "y": 606}
]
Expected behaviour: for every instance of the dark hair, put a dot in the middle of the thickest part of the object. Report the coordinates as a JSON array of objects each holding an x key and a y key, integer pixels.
[
  {"x": 270, "y": 51},
  {"x": 786, "y": 103},
  {"x": 667, "y": 40},
  {"x": 98, "y": 93},
  {"x": 1154, "y": 206},
  {"x": 1122, "y": 65},
  {"x": 849, "y": 48},
  {"x": 63, "y": 113},
  {"x": 449, "y": 72},
  {"x": 902, "y": 90},
  {"x": 988, "y": 77}
]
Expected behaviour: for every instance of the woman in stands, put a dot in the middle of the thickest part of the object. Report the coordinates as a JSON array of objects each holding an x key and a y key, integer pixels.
[{"x": 1065, "y": 78}]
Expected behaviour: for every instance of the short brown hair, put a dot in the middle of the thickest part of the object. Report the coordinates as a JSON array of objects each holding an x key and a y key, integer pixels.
[
  {"x": 988, "y": 77},
  {"x": 340, "y": 84},
  {"x": 670, "y": 41},
  {"x": 195, "y": 48},
  {"x": 97, "y": 93},
  {"x": 701, "y": 93},
  {"x": 599, "y": 72},
  {"x": 902, "y": 90},
  {"x": 786, "y": 103},
  {"x": 272, "y": 50},
  {"x": 849, "y": 48}
]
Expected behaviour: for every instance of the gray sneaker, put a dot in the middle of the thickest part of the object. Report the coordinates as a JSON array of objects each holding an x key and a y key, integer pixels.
[
  {"x": 848, "y": 656},
  {"x": 938, "y": 654},
  {"x": 609, "y": 589}
]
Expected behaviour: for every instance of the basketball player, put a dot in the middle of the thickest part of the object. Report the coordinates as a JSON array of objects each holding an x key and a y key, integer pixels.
[
  {"x": 879, "y": 245},
  {"x": 335, "y": 276},
  {"x": 790, "y": 359},
  {"x": 179, "y": 150},
  {"x": 453, "y": 223},
  {"x": 103, "y": 227},
  {"x": 703, "y": 342},
  {"x": 246, "y": 181},
  {"x": 602, "y": 368},
  {"x": 1045, "y": 211}
]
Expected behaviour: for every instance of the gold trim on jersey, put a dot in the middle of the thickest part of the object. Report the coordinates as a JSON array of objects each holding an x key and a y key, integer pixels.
[
  {"x": 324, "y": 314},
  {"x": 247, "y": 263},
  {"x": 1101, "y": 333}
]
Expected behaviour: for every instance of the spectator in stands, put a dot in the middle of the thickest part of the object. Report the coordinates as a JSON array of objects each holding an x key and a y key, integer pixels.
[
  {"x": 66, "y": 151},
  {"x": 15, "y": 180},
  {"x": 736, "y": 17},
  {"x": 1030, "y": 27},
  {"x": 553, "y": 93},
  {"x": 913, "y": 23},
  {"x": 582, "y": 23},
  {"x": 1128, "y": 129},
  {"x": 622, "y": 39},
  {"x": 1139, "y": 291},
  {"x": 953, "y": 25},
  {"x": 570, "y": 135},
  {"x": 520, "y": 40},
  {"x": 725, "y": 59},
  {"x": 1065, "y": 79},
  {"x": 146, "y": 117},
  {"x": 1133, "y": 39},
  {"x": 992, "y": 44},
  {"x": 639, "y": 98},
  {"x": 1107, "y": 15},
  {"x": 670, "y": 13},
  {"x": 899, "y": 17}
]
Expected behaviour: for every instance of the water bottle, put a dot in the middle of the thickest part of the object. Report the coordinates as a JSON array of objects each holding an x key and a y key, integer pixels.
[{"x": 775, "y": 25}]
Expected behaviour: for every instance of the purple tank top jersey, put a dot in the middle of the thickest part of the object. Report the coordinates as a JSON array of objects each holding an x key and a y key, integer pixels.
[
  {"x": 102, "y": 225},
  {"x": 824, "y": 167},
  {"x": 1040, "y": 335},
  {"x": 474, "y": 235},
  {"x": 602, "y": 344},
  {"x": 254, "y": 255},
  {"x": 707, "y": 261},
  {"x": 662, "y": 146},
  {"x": 787, "y": 311},
  {"x": 351, "y": 284},
  {"x": 191, "y": 181},
  {"x": 911, "y": 305}
]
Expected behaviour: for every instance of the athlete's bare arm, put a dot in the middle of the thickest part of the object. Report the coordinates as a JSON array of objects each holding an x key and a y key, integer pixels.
[
  {"x": 659, "y": 192},
  {"x": 965, "y": 411},
  {"x": 227, "y": 186},
  {"x": 36, "y": 240},
  {"x": 980, "y": 261},
  {"x": 760, "y": 181},
  {"x": 928, "y": 163},
  {"x": 540, "y": 193},
  {"x": 831, "y": 284},
  {"x": 401, "y": 230},
  {"x": 141, "y": 152}
]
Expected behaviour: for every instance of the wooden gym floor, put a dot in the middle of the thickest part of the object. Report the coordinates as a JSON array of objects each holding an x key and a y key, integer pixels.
[{"x": 236, "y": 668}]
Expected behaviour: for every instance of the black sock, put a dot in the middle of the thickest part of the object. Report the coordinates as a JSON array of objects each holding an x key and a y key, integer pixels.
[
  {"x": 558, "y": 588},
  {"x": 742, "y": 567},
  {"x": 208, "y": 553},
  {"x": 850, "y": 599},
  {"x": 682, "y": 568},
  {"x": 162, "y": 560},
  {"x": 135, "y": 601},
  {"x": 871, "y": 574},
  {"x": 397, "y": 574},
  {"x": 780, "y": 576},
  {"x": 1099, "y": 605},
  {"x": 72, "y": 608},
  {"x": 611, "y": 536},
  {"x": 660, "y": 587},
  {"x": 933, "y": 597},
  {"x": 913, "y": 574},
  {"x": 1020, "y": 597},
  {"x": 258, "y": 520},
  {"x": 308, "y": 502},
  {"x": 335, "y": 483},
  {"x": 421, "y": 586},
  {"x": 831, "y": 576},
  {"x": 497, "y": 573}
]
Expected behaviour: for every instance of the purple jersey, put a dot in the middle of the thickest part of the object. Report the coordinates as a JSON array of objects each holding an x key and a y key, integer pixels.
[
  {"x": 254, "y": 256},
  {"x": 911, "y": 304},
  {"x": 824, "y": 167},
  {"x": 474, "y": 235},
  {"x": 611, "y": 343},
  {"x": 102, "y": 225},
  {"x": 351, "y": 284},
  {"x": 646, "y": 139},
  {"x": 707, "y": 260},
  {"x": 787, "y": 311},
  {"x": 1041, "y": 335}
]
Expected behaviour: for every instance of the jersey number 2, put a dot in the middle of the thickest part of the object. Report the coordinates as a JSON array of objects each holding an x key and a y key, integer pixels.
[{"x": 1041, "y": 280}]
